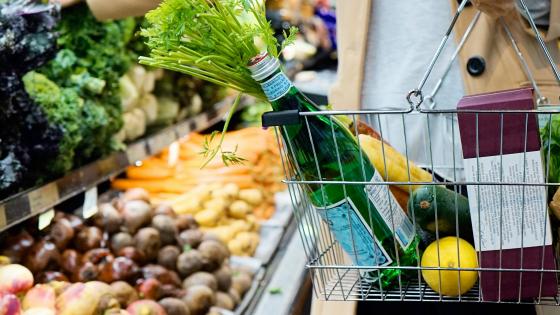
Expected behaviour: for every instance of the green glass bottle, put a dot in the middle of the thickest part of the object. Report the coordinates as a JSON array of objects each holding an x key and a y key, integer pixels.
[{"x": 362, "y": 218}]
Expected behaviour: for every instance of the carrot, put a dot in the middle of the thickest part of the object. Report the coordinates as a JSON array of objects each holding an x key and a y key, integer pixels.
[
  {"x": 153, "y": 186},
  {"x": 143, "y": 172}
]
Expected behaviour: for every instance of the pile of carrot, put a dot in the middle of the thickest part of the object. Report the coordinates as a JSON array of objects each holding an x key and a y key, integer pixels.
[{"x": 167, "y": 178}]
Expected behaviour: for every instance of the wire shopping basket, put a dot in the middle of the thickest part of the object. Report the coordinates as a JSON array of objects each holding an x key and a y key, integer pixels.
[{"x": 490, "y": 200}]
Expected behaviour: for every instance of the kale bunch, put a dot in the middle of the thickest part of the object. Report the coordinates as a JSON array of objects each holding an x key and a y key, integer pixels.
[
  {"x": 93, "y": 56},
  {"x": 26, "y": 34},
  {"x": 27, "y": 137}
]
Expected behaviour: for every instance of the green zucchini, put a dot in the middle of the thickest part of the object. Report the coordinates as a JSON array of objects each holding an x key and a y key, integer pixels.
[{"x": 451, "y": 208}]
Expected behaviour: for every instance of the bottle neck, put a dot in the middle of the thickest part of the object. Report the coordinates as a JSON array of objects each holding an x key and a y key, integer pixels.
[{"x": 277, "y": 87}]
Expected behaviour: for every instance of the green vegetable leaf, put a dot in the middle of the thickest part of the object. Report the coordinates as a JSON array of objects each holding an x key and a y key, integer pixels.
[{"x": 275, "y": 291}]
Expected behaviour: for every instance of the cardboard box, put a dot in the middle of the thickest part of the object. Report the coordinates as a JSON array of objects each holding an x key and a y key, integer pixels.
[{"x": 505, "y": 148}]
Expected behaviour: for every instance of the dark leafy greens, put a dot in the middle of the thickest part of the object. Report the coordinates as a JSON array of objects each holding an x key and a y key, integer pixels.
[
  {"x": 27, "y": 137},
  {"x": 550, "y": 136},
  {"x": 93, "y": 56}
]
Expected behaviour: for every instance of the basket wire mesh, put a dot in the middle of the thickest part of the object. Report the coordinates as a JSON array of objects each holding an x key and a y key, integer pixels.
[{"x": 335, "y": 277}]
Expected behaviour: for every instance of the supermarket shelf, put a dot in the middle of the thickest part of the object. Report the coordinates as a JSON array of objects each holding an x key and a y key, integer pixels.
[
  {"x": 283, "y": 285},
  {"x": 35, "y": 201}
]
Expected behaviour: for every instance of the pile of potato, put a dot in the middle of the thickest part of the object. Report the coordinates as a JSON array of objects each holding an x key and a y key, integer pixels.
[
  {"x": 225, "y": 211},
  {"x": 143, "y": 252}
]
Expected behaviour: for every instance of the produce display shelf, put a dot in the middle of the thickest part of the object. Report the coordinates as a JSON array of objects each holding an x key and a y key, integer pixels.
[{"x": 35, "y": 201}]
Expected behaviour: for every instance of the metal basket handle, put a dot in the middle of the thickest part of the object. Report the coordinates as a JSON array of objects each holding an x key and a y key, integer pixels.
[{"x": 416, "y": 98}]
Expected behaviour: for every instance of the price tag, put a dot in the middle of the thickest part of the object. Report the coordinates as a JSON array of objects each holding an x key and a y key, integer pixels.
[
  {"x": 43, "y": 198},
  {"x": 173, "y": 155},
  {"x": 90, "y": 203},
  {"x": 160, "y": 141},
  {"x": 136, "y": 152},
  {"x": 45, "y": 219},
  {"x": 2, "y": 216}
]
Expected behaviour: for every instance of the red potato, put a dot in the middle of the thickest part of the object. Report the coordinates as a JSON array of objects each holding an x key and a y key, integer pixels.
[
  {"x": 40, "y": 296},
  {"x": 132, "y": 253},
  {"x": 17, "y": 246},
  {"x": 42, "y": 255},
  {"x": 15, "y": 279},
  {"x": 87, "y": 272},
  {"x": 98, "y": 256},
  {"x": 88, "y": 238},
  {"x": 149, "y": 289},
  {"x": 71, "y": 260},
  {"x": 61, "y": 233},
  {"x": 76, "y": 222},
  {"x": 49, "y": 276},
  {"x": 10, "y": 305},
  {"x": 145, "y": 307},
  {"x": 124, "y": 269},
  {"x": 161, "y": 274}
]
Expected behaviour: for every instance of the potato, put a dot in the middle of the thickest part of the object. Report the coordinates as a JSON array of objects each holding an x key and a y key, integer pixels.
[
  {"x": 199, "y": 299},
  {"x": 234, "y": 296},
  {"x": 185, "y": 222},
  {"x": 232, "y": 190},
  {"x": 223, "y": 300},
  {"x": 166, "y": 227},
  {"x": 214, "y": 310},
  {"x": 136, "y": 214},
  {"x": 253, "y": 196},
  {"x": 120, "y": 241},
  {"x": 241, "y": 282},
  {"x": 207, "y": 217},
  {"x": 193, "y": 238},
  {"x": 217, "y": 204},
  {"x": 166, "y": 209},
  {"x": 239, "y": 209},
  {"x": 88, "y": 238},
  {"x": 108, "y": 218},
  {"x": 167, "y": 257},
  {"x": 136, "y": 194},
  {"x": 203, "y": 278},
  {"x": 124, "y": 293},
  {"x": 213, "y": 253},
  {"x": 223, "y": 277},
  {"x": 148, "y": 242},
  {"x": 174, "y": 306},
  {"x": 189, "y": 262}
]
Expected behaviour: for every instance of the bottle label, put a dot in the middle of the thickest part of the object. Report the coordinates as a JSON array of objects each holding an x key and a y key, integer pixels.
[
  {"x": 394, "y": 216},
  {"x": 353, "y": 234},
  {"x": 276, "y": 87}
]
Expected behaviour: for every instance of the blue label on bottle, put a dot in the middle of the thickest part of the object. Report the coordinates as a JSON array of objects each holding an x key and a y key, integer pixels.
[
  {"x": 276, "y": 87},
  {"x": 353, "y": 234}
]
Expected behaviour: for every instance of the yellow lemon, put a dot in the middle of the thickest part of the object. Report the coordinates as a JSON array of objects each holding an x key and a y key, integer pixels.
[{"x": 453, "y": 253}]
